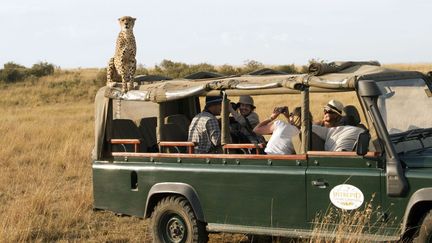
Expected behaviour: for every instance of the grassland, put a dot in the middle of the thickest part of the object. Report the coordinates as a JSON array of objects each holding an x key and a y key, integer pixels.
[{"x": 46, "y": 128}]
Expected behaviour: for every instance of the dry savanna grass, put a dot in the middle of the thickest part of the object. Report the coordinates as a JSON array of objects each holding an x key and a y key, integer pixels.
[{"x": 46, "y": 183}]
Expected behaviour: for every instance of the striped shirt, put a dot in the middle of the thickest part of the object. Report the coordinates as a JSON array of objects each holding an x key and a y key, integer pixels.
[{"x": 341, "y": 138}]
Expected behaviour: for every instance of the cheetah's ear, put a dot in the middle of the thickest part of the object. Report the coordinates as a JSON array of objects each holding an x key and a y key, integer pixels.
[{"x": 134, "y": 19}]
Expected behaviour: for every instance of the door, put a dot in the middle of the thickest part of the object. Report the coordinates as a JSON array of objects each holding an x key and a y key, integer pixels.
[{"x": 339, "y": 182}]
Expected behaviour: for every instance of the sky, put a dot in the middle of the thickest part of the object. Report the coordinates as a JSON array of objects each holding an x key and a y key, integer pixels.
[{"x": 82, "y": 33}]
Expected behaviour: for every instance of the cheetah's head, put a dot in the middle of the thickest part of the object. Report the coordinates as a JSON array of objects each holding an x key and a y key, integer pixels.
[{"x": 126, "y": 23}]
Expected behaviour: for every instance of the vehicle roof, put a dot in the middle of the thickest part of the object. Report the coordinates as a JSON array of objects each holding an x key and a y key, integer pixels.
[{"x": 322, "y": 77}]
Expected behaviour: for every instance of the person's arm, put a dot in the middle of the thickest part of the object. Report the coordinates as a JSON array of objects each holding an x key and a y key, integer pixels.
[
  {"x": 237, "y": 116},
  {"x": 253, "y": 119},
  {"x": 267, "y": 126},
  {"x": 320, "y": 131}
]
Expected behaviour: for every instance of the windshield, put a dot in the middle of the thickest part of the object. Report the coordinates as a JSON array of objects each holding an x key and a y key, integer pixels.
[
  {"x": 405, "y": 105},
  {"x": 406, "y": 108}
]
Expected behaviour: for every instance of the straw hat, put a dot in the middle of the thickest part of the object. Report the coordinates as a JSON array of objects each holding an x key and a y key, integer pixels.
[{"x": 335, "y": 106}]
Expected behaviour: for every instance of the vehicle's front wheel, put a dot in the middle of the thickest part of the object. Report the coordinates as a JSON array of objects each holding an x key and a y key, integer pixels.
[
  {"x": 173, "y": 221},
  {"x": 424, "y": 233}
]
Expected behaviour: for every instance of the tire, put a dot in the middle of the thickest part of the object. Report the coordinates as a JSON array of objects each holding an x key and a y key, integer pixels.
[
  {"x": 424, "y": 233},
  {"x": 173, "y": 221}
]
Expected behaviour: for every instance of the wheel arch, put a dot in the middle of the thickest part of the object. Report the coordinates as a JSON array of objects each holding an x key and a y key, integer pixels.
[
  {"x": 161, "y": 190},
  {"x": 419, "y": 204}
]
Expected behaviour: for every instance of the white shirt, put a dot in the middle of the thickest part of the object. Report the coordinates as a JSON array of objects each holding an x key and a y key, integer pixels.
[
  {"x": 280, "y": 141},
  {"x": 341, "y": 138}
]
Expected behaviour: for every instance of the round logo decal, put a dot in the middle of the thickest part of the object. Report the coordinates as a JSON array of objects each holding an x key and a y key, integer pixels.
[{"x": 346, "y": 196}]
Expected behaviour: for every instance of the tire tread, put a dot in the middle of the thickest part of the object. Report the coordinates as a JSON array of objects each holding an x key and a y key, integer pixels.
[
  {"x": 425, "y": 229},
  {"x": 179, "y": 203}
]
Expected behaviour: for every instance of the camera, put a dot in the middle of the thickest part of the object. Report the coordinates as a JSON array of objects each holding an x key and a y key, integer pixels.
[
  {"x": 235, "y": 106},
  {"x": 283, "y": 109}
]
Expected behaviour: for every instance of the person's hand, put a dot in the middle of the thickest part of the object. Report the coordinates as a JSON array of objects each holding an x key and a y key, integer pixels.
[
  {"x": 285, "y": 111},
  {"x": 276, "y": 113}
]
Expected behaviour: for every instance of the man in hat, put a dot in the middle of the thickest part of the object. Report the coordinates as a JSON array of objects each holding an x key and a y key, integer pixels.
[
  {"x": 332, "y": 114},
  {"x": 245, "y": 121},
  {"x": 334, "y": 130},
  {"x": 204, "y": 129}
]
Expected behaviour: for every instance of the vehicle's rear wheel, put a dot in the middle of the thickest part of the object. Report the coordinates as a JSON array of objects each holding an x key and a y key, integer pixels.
[
  {"x": 173, "y": 221},
  {"x": 424, "y": 233}
]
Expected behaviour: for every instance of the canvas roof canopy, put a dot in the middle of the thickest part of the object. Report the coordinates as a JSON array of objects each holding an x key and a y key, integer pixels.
[{"x": 322, "y": 77}]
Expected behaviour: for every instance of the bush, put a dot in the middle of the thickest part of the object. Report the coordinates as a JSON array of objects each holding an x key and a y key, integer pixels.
[
  {"x": 202, "y": 67},
  {"x": 173, "y": 69},
  {"x": 170, "y": 69},
  {"x": 141, "y": 70},
  {"x": 12, "y": 65},
  {"x": 42, "y": 69},
  {"x": 12, "y": 72},
  {"x": 228, "y": 70}
]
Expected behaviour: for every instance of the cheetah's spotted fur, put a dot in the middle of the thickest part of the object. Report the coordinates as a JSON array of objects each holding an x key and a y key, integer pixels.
[{"x": 121, "y": 67}]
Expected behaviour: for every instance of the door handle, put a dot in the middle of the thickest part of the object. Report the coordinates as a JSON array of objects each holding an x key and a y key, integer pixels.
[{"x": 320, "y": 184}]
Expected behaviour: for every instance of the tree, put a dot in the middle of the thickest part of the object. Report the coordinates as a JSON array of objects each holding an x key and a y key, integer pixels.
[
  {"x": 170, "y": 69},
  {"x": 202, "y": 67},
  {"x": 228, "y": 70},
  {"x": 252, "y": 65}
]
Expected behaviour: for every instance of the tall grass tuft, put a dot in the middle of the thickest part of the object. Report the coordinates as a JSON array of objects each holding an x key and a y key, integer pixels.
[{"x": 343, "y": 226}]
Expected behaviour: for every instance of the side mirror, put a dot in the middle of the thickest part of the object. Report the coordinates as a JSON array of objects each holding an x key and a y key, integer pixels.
[{"x": 362, "y": 144}]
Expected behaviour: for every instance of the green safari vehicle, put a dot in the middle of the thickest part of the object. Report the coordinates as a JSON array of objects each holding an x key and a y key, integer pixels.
[{"x": 144, "y": 166}]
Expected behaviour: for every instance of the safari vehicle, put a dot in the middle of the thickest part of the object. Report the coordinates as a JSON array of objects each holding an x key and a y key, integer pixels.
[{"x": 144, "y": 166}]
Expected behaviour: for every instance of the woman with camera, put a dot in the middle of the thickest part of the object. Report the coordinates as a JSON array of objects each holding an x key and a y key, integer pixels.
[{"x": 282, "y": 132}]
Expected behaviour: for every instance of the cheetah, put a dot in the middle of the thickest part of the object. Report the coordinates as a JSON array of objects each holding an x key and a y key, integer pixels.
[{"x": 121, "y": 67}]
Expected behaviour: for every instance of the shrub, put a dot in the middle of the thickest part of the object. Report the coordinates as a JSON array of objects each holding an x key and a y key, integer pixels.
[
  {"x": 12, "y": 65},
  {"x": 12, "y": 72},
  {"x": 202, "y": 67},
  {"x": 170, "y": 69},
  {"x": 228, "y": 70},
  {"x": 141, "y": 70},
  {"x": 42, "y": 69}
]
